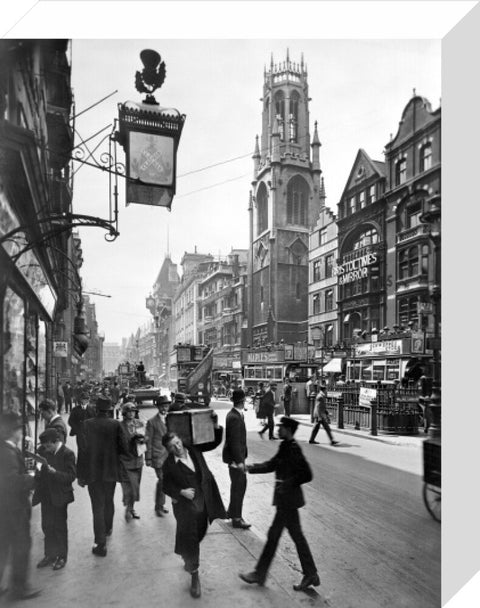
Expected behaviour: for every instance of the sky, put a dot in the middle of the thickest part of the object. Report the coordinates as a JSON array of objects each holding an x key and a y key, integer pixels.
[{"x": 358, "y": 91}]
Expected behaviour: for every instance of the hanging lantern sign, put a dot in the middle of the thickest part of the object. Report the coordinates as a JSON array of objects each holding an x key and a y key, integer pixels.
[{"x": 150, "y": 135}]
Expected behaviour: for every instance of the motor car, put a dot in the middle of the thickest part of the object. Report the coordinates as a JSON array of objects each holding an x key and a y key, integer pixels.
[{"x": 145, "y": 393}]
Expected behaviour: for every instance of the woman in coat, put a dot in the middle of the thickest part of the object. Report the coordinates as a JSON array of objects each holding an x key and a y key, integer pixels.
[
  {"x": 132, "y": 465},
  {"x": 195, "y": 498}
]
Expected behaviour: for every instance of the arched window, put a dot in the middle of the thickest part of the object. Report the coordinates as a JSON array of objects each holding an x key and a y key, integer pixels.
[
  {"x": 280, "y": 113},
  {"x": 262, "y": 208},
  {"x": 293, "y": 117},
  {"x": 425, "y": 157},
  {"x": 298, "y": 194},
  {"x": 368, "y": 237}
]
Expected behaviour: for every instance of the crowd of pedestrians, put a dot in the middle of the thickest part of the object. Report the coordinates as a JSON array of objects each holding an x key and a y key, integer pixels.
[{"x": 112, "y": 451}]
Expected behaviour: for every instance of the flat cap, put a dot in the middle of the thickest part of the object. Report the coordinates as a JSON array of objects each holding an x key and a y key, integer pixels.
[{"x": 288, "y": 423}]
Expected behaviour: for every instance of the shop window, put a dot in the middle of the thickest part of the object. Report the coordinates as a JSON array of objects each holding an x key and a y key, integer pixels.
[
  {"x": 329, "y": 260},
  {"x": 400, "y": 171},
  {"x": 426, "y": 157},
  {"x": 297, "y": 201},
  {"x": 14, "y": 351}
]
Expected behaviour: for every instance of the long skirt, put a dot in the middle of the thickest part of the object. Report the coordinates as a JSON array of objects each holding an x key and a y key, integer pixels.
[{"x": 131, "y": 485}]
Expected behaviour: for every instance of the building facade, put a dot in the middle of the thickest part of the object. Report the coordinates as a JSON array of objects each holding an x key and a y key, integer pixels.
[{"x": 287, "y": 195}]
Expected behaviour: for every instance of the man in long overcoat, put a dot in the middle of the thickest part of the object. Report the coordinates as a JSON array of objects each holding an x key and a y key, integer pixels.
[
  {"x": 267, "y": 406},
  {"x": 99, "y": 467},
  {"x": 156, "y": 453},
  {"x": 195, "y": 497},
  {"x": 234, "y": 454}
]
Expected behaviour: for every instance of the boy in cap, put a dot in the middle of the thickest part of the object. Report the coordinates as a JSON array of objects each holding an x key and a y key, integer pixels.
[
  {"x": 54, "y": 492},
  {"x": 15, "y": 509},
  {"x": 156, "y": 453},
  {"x": 234, "y": 454},
  {"x": 291, "y": 471}
]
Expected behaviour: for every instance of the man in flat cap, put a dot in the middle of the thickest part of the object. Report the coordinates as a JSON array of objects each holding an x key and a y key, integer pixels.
[
  {"x": 15, "y": 509},
  {"x": 54, "y": 492},
  {"x": 291, "y": 471},
  {"x": 102, "y": 443},
  {"x": 234, "y": 454}
]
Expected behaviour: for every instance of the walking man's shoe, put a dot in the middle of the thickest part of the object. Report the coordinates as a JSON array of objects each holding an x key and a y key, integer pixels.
[
  {"x": 261, "y": 435},
  {"x": 45, "y": 561},
  {"x": 59, "y": 563},
  {"x": 313, "y": 441},
  {"x": 135, "y": 515},
  {"x": 308, "y": 581},
  {"x": 161, "y": 511},
  {"x": 195, "y": 589},
  {"x": 100, "y": 550},
  {"x": 334, "y": 442},
  {"x": 240, "y": 523},
  {"x": 251, "y": 577}
]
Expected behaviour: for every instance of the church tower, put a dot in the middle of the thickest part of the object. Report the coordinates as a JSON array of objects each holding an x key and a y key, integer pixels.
[{"x": 287, "y": 195}]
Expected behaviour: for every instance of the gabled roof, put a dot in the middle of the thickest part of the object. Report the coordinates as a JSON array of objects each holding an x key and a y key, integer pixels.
[
  {"x": 363, "y": 169},
  {"x": 416, "y": 114}
]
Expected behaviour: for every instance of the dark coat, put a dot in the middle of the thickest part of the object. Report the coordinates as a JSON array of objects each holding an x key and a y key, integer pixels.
[
  {"x": 60, "y": 427},
  {"x": 15, "y": 483},
  {"x": 291, "y": 471},
  {"x": 235, "y": 446},
  {"x": 100, "y": 449},
  {"x": 77, "y": 416},
  {"x": 175, "y": 479},
  {"x": 57, "y": 486},
  {"x": 267, "y": 404},
  {"x": 156, "y": 453}
]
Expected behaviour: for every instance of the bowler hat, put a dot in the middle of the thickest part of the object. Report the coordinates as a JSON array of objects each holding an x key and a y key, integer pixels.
[
  {"x": 288, "y": 423},
  {"x": 238, "y": 395},
  {"x": 49, "y": 436},
  {"x": 104, "y": 404},
  {"x": 162, "y": 400}
]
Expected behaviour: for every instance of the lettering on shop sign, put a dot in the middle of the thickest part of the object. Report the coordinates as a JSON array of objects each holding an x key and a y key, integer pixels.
[
  {"x": 386, "y": 346},
  {"x": 266, "y": 357},
  {"x": 354, "y": 270},
  {"x": 367, "y": 395}
]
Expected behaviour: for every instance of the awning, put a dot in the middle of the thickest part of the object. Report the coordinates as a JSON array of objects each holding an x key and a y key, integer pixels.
[{"x": 334, "y": 366}]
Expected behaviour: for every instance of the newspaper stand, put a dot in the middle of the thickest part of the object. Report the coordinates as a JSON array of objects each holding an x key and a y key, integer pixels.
[{"x": 193, "y": 426}]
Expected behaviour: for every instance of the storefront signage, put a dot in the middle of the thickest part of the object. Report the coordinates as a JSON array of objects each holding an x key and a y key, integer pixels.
[
  {"x": 385, "y": 347},
  {"x": 265, "y": 357},
  {"x": 354, "y": 270},
  {"x": 60, "y": 349},
  {"x": 288, "y": 352},
  {"x": 367, "y": 395},
  {"x": 226, "y": 362},
  {"x": 418, "y": 343}
]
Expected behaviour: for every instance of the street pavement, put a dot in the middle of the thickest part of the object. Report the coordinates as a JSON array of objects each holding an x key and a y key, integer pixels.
[{"x": 141, "y": 569}]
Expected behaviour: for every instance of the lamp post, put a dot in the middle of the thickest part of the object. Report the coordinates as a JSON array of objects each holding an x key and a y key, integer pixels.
[{"x": 432, "y": 216}]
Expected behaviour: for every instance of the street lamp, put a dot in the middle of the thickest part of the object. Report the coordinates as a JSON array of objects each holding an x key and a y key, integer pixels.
[{"x": 432, "y": 216}]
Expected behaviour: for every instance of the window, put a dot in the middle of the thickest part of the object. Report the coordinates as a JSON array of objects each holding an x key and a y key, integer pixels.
[
  {"x": 298, "y": 194},
  {"x": 328, "y": 300},
  {"x": 280, "y": 113},
  {"x": 414, "y": 211},
  {"x": 426, "y": 157},
  {"x": 371, "y": 194},
  {"x": 262, "y": 208},
  {"x": 316, "y": 304},
  {"x": 351, "y": 205},
  {"x": 293, "y": 117},
  {"x": 400, "y": 171},
  {"x": 362, "y": 200},
  {"x": 407, "y": 310},
  {"x": 317, "y": 270},
  {"x": 261, "y": 293},
  {"x": 408, "y": 263},
  {"x": 329, "y": 259},
  {"x": 322, "y": 237},
  {"x": 369, "y": 237}
]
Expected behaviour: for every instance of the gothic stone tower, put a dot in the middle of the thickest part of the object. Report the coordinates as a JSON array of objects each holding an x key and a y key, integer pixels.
[{"x": 286, "y": 197}]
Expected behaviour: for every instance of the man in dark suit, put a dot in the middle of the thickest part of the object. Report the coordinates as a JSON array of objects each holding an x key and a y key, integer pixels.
[
  {"x": 195, "y": 497},
  {"x": 267, "y": 406},
  {"x": 15, "y": 508},
  {"x": 79, "y": 414},
  {"x": 99, "y": 467},
  {"x": 156, "y": 453},
  {"x": 54, "y": 492},
  {"x": 234, "y": 454},
  {"x": 48, "y": 411},
  {"x": 291, "y": 471}
]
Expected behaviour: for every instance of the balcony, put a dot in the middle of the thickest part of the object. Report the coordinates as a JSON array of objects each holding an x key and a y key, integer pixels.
[{"x": 412, "y": 233}]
